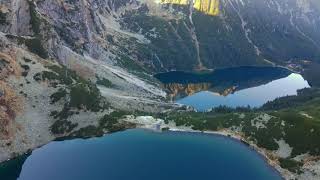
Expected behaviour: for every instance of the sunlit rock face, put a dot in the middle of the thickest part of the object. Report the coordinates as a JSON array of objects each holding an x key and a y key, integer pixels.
[
  {"x": 209, "y": 7},
  {"x": 177, "y": 91},
  {"x": 228, "y": 91}
]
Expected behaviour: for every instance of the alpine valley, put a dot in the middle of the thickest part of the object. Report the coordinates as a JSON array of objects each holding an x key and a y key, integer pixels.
[{"x": 84, "y": 68}]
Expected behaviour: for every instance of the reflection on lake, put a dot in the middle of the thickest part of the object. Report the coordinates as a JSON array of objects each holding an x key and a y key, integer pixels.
[{"x": 233, "y": 87}]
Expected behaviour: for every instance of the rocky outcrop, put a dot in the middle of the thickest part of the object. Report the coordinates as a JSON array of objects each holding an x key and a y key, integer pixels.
[
  {"x": 15, "y": 17},
  {"x": 11, "y": 105}
]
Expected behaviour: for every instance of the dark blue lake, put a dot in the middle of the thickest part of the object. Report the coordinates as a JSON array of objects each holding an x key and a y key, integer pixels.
[
  {"x": 143, "y": 155},
  {"x": 233, "y": 87}
]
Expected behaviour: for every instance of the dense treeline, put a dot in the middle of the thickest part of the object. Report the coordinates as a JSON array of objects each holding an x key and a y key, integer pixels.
[
  {"x": 303, "y": 96},
  {"x": 294, "y": 119}
]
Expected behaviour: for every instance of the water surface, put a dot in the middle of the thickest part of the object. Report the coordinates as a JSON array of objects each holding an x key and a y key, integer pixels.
[
  {"x": 233, "y": 87},
  {"x": 143, "y": 155}
]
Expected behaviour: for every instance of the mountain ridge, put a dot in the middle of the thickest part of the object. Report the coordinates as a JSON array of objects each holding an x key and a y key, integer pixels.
[{"x": 268, "y": 36}]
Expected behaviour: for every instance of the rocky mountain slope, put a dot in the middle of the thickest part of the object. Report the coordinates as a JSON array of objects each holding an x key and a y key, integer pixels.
[
  {"x": 154, "y": 36},
  {"x": 71, "y": 67}
]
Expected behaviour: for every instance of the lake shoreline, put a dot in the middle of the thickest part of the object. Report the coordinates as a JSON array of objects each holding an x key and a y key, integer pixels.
[
  {"x": 231, "y": 87},
  {"x": 176, "y": 133},
  {"x": 156, "y": 125},
  {"x": 274, "y": 165},
  {"x": 150, "y": 124}
]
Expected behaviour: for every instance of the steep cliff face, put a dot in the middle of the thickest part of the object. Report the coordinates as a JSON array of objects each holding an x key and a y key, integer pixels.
[
  {"x": 15, "y": 17},
  {"x": 169, "y": 34},
  {"x": 240, "y": 33}
]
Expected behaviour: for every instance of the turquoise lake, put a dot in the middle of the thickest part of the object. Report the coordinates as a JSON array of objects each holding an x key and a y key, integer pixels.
[{"x": 144, "y": 155}]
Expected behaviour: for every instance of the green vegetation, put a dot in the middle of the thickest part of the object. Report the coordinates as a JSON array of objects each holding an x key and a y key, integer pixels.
[
  {"x": 165, "y": 129},
  {"x": 3, "y": 19},
  {"x": 25, "y": 71},
  {"x": 3, "y": 63},
  {"x": 62, "y": 127},
  {"x": 83, "y": 93},
  {"x": 61, "y": 74},
  {"x": 88, "y": 132},
  {"x": 35, "y": 20},
  {"x": 304, "y": 95},
  {"x": 25, "y": 67},
  {"x": 35, "y": 44},
  {"x": 227, "y": 48},
  {"x": 226, "y": 109},
  {"x": 110, "y": 122},
  {"x": 55, "y": 97},
  {"x": 104, "y": 82},
  {"x": 302, "y": 128},
  {"x": 37, "y": 77},
  {"x": 221, "y": 45},
  {"x": 85, "y": 96},
  {"x": 130, "y": 64},
  {"x": 27, "y": 60},
  {"x": 172, "y": 41},
  {"x": 311, "y": 73},
  {"x": 107, "y": 123},
  {"x": 110, "y": 38},
  {"x": 78, "y": 94},
  {"x": 63, "y": 114},
  {"x": 295, "y": 119},
  {"x": 291, "y": 165},
  {"x": 47, "y": 75}
]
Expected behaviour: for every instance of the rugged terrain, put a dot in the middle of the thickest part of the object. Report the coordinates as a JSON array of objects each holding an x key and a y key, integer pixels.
[{"x": 75, "y": 68}]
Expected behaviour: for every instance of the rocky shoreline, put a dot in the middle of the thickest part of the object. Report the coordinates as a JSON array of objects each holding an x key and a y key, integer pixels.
[
  {"x": 150, "y": 123},
  {"x": 264, "y": 153},
  {"x": 158, "y": 125}
]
